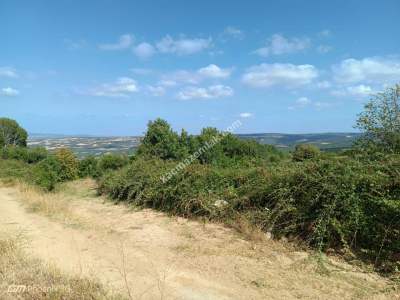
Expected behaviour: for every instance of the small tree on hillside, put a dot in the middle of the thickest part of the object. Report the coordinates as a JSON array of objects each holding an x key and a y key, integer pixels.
[
  {"x": 380, "y": 121},
  {"x": 11, "y": 134},
  {"x": 160, "y": 141}
]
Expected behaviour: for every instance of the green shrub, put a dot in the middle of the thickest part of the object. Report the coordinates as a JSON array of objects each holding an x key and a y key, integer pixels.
[
  {"x": 69, "y": 164},
  {"x": 48, "y": 173},
  {"x": 88, "y": 167},
  {"x": 14, "y": 169},
  {"x": 335, "y": 202},
  {"x": 109, "y": 162},
  {"x": 305, "y": 151},
  {"x": 28, "y": 155}
]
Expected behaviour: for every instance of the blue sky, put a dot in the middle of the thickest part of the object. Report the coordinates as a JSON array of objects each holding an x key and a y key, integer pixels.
[{"x": 107, "y": 67}]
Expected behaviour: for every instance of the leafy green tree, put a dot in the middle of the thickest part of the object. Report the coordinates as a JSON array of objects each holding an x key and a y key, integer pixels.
[
  {"x": 11, "y": 134},
  {"x": 160, "y": 141},
  {"x": 380, "y": 122}
]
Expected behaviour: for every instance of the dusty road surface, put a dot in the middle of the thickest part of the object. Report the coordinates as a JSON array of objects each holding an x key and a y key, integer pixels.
[{"x": 148, "y": 255}]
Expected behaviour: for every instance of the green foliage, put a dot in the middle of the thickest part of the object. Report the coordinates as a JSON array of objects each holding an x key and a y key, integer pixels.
[
  {"x": 160, "y": 141},
  {"x": 380, "y": 122},
  {"x": 305, "y": 151},
  {"x": 69, "y": 164},
  {"x": 28, "y": 155},
  {"x": 335, "y": 202},
  {"x": 48, "y": 173},
  {"x": 14, "y": 169},
  {"x": 109, "y": 162},
  {"x": 210, "y": 147},
  {"x": 11, "y": 134},
  {"x": 89, "y": 167}
]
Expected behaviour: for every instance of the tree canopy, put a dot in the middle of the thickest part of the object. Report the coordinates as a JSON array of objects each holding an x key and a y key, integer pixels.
[
  {"x": 380, "y": 121},
  {"x": 11, "y": 134}
]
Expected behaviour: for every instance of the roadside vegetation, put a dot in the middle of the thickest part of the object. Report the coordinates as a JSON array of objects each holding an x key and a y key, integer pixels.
[{"x": 346, "y": 203}]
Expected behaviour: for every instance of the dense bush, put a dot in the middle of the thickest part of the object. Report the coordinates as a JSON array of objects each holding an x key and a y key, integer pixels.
[
  {"x": 89, "y": 167},
  {"x": 69, "y": 164},
  {"x": 28, "y": 155},
  {"x": 48, "y": 173},
  {"x": 305, "y": 151},
  {"x": 109, "y": 162},
  {"x": 339, "y": 203}
]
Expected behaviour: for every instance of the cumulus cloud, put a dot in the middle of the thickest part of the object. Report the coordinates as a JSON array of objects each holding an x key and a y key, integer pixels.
[
  {"x": 182, "y": 46},
  {"x": 287, "y": 75},
  {"x": 195, "y": 76},
  {"x": 367, "y": 70},
  {"x": 144, "y": 50},
  {"x": 278, "y": 45},
  {"x": 124, "y": 42},
  {"x": 304, "y": 102},
  {"x": 214, "y": 91},
  {"x": 9, "y": 92},
  {"x": 8, "y": 72},
  {"x": 213, "y": 71},
  {"x": 156, "y": 91},
  {"x": 359, "y": 91},
  {"x": 233, "y": 32},
  {"x": 246, "y": 115},
  {"x": 121, "y": 88}
]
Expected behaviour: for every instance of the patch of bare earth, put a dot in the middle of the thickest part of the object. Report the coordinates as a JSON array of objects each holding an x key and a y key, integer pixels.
[{"x": 148, "y": 255}]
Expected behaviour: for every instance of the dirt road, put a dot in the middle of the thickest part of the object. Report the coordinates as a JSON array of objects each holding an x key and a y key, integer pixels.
[{"x": 148, "y": 255}]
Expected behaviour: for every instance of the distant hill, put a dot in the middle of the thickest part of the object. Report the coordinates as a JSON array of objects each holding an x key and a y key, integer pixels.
[
  {"x": 325, "y": 141},
  {"x": 85, "y": 145}
]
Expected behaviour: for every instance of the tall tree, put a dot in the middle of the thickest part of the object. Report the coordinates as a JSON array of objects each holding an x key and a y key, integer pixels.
[
  {"x": 380, "y": 121},
  {"x": 11, "y": 134}
]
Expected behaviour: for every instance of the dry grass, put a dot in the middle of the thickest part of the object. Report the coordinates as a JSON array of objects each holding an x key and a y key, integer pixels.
[
  {"x": 23, "y": 277},
  {"x": 56, "y": 206}
]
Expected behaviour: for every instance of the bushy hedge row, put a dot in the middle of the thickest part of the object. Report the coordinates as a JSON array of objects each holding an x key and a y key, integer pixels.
[
  {"x": 338, "y": 203},
  {"x": 38, "y": 166}
]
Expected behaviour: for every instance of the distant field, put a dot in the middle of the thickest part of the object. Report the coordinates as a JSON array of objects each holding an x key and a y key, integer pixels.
[{"x": 87, "y": 145}]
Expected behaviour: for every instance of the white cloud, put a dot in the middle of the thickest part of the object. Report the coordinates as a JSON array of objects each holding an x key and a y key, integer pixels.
[
  {"x": 234, "y": 32},
  {"x": 288, "y": 75},
  {"x": 144, "y": 50},
  {"x": 156, "y": 91},
  {"x": 8, "y": 72},
  {"x": 121, "y": 88},
  {"x": 324, "y": 49},
  {"x": 303, "y": 101},
  {"x": 323, "y": 84},
  {"x": 356, "y": 91},
  {"x": 124, "y": 42},
  {"x": 278, "y": 45},
  {"x": 214, "y": 91},
  {"x": 168, "y": 83},
  {"x": 246, "y": 115},
  {"x": 213, "y": 71},
  {"x": 182, "y": 46},
  {"x": 182, "y": 76},
  {"x": 368, "y": 70},
  {"x": 9, "y": 92}
]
